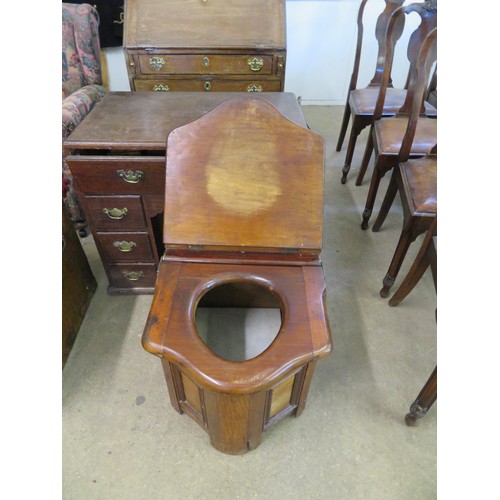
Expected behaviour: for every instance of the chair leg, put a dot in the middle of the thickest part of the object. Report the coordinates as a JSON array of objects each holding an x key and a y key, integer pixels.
[
  {"x": 366, "y": 160},
  {"x": 397, "y": 260},
  {"x": 392, "y": 189},
  {"x": 345, "y": 123},
  {"x": 356, "y": 129},
  {"x": 425, "y": 258},
  {"x": 424, "y": 401}
]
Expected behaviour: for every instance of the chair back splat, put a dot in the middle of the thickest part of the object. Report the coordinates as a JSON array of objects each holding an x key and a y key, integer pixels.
[
  {"x": 360, "y": 103},
  {"x": 387, "y": 132}
]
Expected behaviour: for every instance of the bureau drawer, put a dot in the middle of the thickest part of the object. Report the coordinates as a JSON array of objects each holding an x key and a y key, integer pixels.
[
  {"x": 132, "y": 275},
  {"x": 200, "y": 85},
  {"x": 205, "y": 64},
  {"x": 115, "y": 174},
  {"x": 125, "y": 247},
  {"x": 116, "y": 212}
]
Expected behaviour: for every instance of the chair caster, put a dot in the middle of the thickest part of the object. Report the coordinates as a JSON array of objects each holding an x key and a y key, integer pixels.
[
  {"x": 344, "y": 179},
  {"x": 384, "y": 293},
  {"x": 83, "y": 232},
  {"x": 364, "y": 225}
]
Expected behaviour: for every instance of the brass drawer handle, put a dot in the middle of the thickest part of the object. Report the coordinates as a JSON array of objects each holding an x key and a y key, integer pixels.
[
  {"x": 161, "y": 87},
  {"x": 130, "y": 176},
  {"x": 281, "y": 65},
  {"x": 125, "y": 246},
  {"x": 133, "y": 275},
  {"x": 206, "y": 62},
  {"x": 254, "y": 88},
  {"x": 156, "y": 63},
  {"x": 207, "y": 86},
  {"x": 115, "y": 213},
  {"x": 255, "y": 63}
]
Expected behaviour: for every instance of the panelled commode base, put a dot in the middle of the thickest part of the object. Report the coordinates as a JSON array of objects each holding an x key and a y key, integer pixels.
[
  {"x": 235, "y": 401},
  {"x": 235, "y": 422}
]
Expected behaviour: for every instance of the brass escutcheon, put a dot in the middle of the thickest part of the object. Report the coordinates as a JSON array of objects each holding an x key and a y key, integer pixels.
[
  {"x": 254, "y": 88},
  {"x": 207, "y": 86},
  {"x": 115, "y": 213},
  {"x": 130, "y": 176},
  {"x": 133, "y": 275},
  {"x": 125, "y": 246},
  {"x": 160, "y": 87},
  {"x": 255, "y": 63},
  {"x": 156, "y": 62},
  {"x": 206, "y": 62}
]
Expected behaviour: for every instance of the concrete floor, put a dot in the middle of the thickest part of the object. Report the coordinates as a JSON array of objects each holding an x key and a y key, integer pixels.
[{"x": 122, "y": 440}]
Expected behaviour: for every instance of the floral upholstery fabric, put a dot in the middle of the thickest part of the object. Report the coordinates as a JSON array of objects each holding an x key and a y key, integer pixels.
[{"x": 81, "y": 83}]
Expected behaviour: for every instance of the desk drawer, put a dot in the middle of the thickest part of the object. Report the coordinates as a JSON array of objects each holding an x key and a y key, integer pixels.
[
  {"x": 115, "y": 174},
  {"x": 206, "y": 85},
  {"x": 205, "y": 64},
  {"x": 132, "y": 275},
  {"x": 116, "y": 213},
  {"x": 125, "y": 247}
]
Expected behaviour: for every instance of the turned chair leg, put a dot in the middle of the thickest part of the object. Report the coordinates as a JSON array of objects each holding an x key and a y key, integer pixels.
[
  {"x": 343, "y": 127},
  {"x": 366, "y": 160},
  {"x": 397, "y": 260},
  {"x": 390, "y": 195},
  {"x": 424, "y": 401},
  {"x": 370, "y": 199},
  {"x": 356, "y": 129}
]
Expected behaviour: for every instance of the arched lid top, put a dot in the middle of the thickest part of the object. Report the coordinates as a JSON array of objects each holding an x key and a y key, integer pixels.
[{"x": 243, "y": 176}]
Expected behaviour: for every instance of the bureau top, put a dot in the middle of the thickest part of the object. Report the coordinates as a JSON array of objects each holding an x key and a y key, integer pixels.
[
  {"x": 143, "y": 120},
  {"x": 205, "y": 24}
]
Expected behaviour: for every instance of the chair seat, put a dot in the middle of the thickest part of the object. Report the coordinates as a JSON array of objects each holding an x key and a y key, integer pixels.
[
  {"x": 362, "y": 102},
  {"x": 419, "y": 177},
  {"x": 389, "y": 134}
]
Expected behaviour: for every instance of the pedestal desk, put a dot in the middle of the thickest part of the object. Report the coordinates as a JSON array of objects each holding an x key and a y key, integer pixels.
[{"x": 117, "y": 157}]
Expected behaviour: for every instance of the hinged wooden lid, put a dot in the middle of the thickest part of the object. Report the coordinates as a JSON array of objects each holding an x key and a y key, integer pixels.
[
  {"x": 244, "y": 177},
  {"x": 205, "y": 24}
]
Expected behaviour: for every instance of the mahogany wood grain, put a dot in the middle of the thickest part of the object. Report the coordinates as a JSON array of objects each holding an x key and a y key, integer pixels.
[
  {"x": 209, "y": 43},
  {"x": 124, "y": 139},
  {"x": 248, "y": 166},
  {"x": 174, "y": 306}
]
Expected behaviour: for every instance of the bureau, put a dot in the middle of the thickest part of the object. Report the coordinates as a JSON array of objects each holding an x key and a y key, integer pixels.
[
  {"x": 205, "y": 45},
  {"x": 117, "y": 157}
]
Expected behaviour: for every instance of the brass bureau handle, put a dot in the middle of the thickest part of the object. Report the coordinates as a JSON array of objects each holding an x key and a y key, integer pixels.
[
  {"x": 125, "y": 246},
  {"x": 207, "y": 86},
  {"x": 156, "y": 62},
  {"x": 254, "y": 88},
  {"x": 130, "y": 176},
  {"x": 281, "y": 64},
  {"x": 255, "y": 63},
  {"x": 133, "y": 275},
  {"x": 115, "y": 213},
  {"x": 161, "y": 87}
]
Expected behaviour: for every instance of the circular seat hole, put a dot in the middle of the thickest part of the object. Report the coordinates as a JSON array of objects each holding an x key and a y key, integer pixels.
[{"x": 238, "y": 321}]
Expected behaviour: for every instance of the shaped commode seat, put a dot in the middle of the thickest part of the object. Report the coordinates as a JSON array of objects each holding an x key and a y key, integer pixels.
[{"x": 242, "y": 229}]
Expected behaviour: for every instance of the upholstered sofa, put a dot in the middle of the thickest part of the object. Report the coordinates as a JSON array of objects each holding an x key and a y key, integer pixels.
[{"x": 81, "y": 85}]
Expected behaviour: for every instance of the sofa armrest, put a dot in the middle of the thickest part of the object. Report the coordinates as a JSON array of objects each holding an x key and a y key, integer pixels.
[{"x": 76, "y": 106}]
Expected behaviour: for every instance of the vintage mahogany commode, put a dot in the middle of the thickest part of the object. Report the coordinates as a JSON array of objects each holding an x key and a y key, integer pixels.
[{"x": 242, "y": 227}]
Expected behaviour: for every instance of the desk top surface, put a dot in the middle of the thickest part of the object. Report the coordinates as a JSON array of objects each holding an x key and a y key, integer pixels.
[{"x": 143, "y": 120}]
